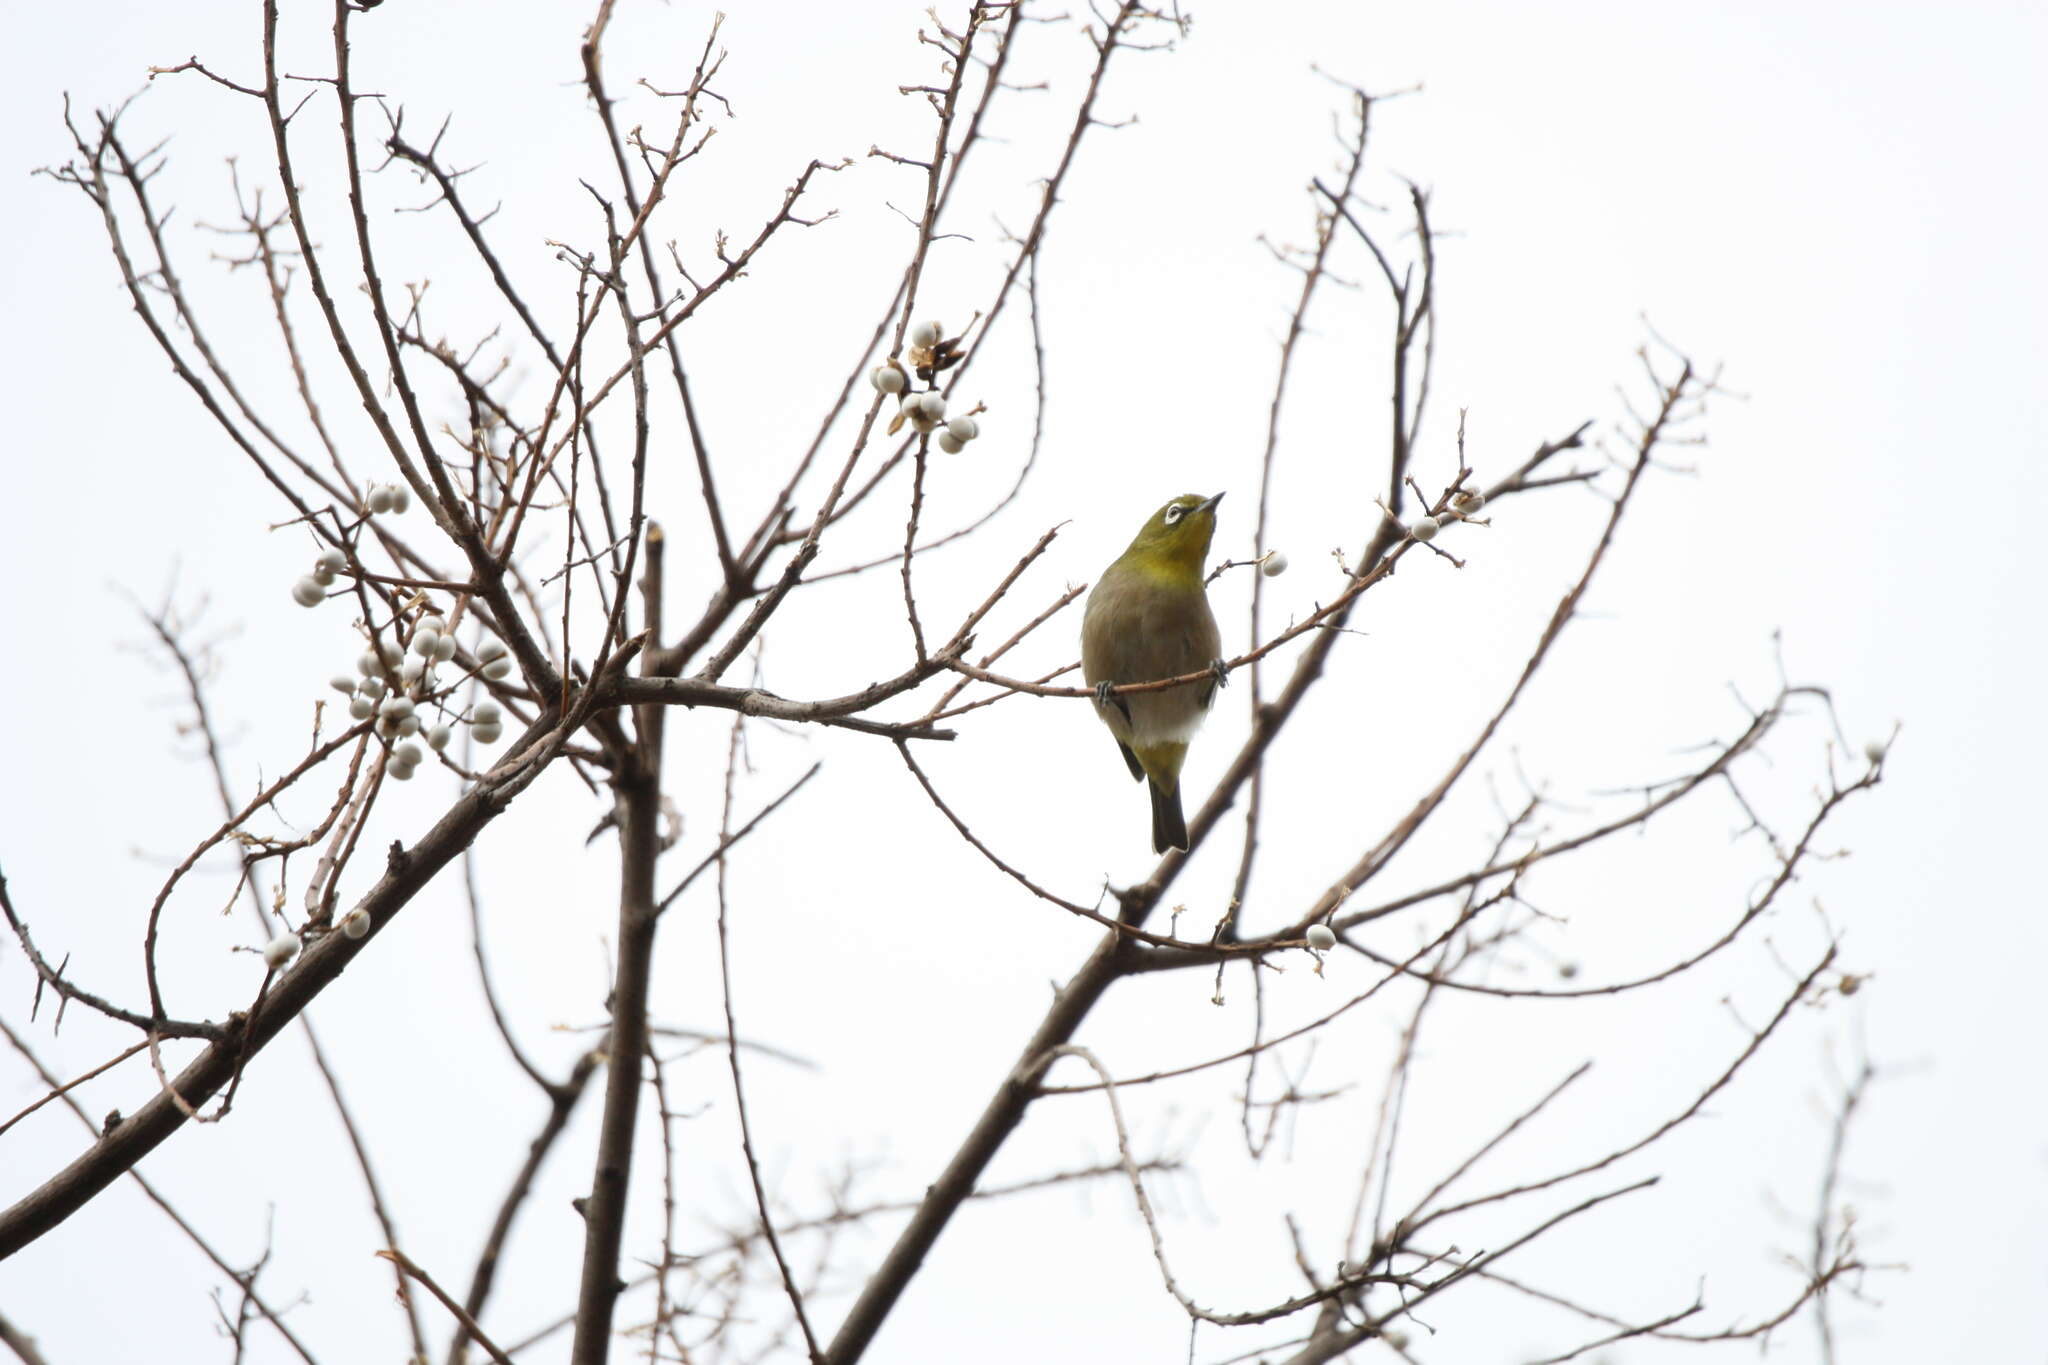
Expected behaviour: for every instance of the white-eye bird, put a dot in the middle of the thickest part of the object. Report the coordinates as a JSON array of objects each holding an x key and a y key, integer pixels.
[{"x": 1148, "y": 619}]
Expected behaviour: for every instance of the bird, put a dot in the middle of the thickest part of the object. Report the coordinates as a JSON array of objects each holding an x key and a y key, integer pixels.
[{"x": 1147, "y": 619}]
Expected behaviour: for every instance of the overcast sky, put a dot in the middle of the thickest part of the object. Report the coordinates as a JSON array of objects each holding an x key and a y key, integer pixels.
[{"x": 1843, "y": 210}]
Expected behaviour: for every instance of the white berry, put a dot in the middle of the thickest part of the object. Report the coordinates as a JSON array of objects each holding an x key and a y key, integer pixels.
[
  {"x": 490, "y": 649},
  {"x": 308, "y": 593},
  {"x": 1273, "y": 565},
  {"x": 322, "y": 575},
  {"x": 437, "y": 738},
  {"x": 280, "y": 950},
  {"x": 498, "y": 669},
  {"x": 343, "y": 683},
  {"x": 1424, "y": 529},
  {"x": 486, "y": 713},
  {"x": 1468, "y": 501},
  {"x": 334, "y": 561},
  {"x": 926, "y": 334},
  {"x": 408, "y": 753},
  {"x": 356, "y": 923},
  {"x": 369, "y": 665},
  {"x": 445, "y": 650},
  {"x": 401, "y": 497},
  {"x": 889, "y": 379},
  {"x": 485, "y": 734},
  {"x": 963, "y": 429},
  {"x": 1874, "y": 752},
  {"x": 950, "y": 443},
  {"x": 399, "y": 772},
  {"x": 1321, "y": 938},
  {"x": 380, "y": 499},
  {"x": 361, "y": 707},
  {"x": 372, "y": 687}
]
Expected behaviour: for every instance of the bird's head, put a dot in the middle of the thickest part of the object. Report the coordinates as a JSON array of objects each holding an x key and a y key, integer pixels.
[{"x": 1178, "y": 534}]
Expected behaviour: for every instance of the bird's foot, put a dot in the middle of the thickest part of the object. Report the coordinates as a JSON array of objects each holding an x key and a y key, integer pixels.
[{"x": 1221, "y": 670}]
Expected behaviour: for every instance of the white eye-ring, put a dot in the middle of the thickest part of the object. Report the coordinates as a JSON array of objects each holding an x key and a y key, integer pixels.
[{"x": 1174, "y": 512}]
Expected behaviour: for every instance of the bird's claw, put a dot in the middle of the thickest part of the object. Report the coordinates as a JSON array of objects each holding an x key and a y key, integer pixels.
[{"x": 1221, "y": 670}]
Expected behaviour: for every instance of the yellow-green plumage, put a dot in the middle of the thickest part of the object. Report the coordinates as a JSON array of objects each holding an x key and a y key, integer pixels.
[{"x": 1148, "y": 619}]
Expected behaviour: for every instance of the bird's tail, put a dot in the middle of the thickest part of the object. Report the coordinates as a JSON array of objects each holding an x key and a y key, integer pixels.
[{"x": 1169, "y": 826}]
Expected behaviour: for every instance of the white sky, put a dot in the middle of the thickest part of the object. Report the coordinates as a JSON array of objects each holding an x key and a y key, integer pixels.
[{"x": 1845, "y": 211}]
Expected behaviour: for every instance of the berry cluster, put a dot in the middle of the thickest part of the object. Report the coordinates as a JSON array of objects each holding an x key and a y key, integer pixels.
[
  {"x": 391, "y": 684},
  {"x": 930, "y": 353}
]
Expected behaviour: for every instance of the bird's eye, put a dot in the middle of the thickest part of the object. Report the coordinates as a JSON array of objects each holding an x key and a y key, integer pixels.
[{"x": 1173, "y": 513}]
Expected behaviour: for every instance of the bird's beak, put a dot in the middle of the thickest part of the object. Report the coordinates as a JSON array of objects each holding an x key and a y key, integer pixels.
[{"x": 1210, "y": 505}]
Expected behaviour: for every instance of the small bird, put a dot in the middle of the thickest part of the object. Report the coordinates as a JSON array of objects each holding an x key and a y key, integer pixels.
[{"x": 1148, "y": 619}]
